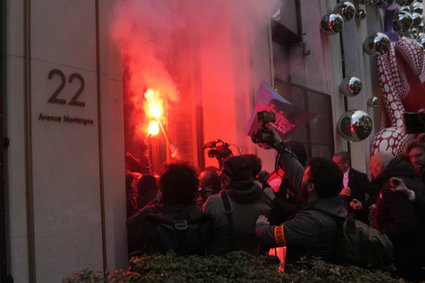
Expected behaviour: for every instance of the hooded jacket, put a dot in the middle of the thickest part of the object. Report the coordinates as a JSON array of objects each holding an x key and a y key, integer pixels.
[
  {"x": 313, "y": 231},
  {"x": 235, "y": 231}
]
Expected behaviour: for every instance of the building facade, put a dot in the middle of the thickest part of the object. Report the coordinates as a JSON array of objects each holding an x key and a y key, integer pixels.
[{"x": 64, "y": 119}]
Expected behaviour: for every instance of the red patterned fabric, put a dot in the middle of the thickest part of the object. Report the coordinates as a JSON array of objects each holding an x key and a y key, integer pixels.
[{"x": 401, "y": 73}]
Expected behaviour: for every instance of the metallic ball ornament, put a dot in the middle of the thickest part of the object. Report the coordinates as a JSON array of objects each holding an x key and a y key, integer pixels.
[
  {"x": 361, "y": 14},
  {"x": 354, "y": 125},
  {"x": 416, "y": 20},
  {"x": 421, "y": 39},
  {"x": 350, "y": 86},
  {"x": 378, "y": 43},
  {"x": 421, "y": 27},
  {"x": 373, "y": 102},
  {"x": 414, "y": 32},
  {"x": 404, "y": 2},
  {"x": 402, "y": 21},
  {"x": 332, "y": 23},
  {"x": 404, "y": 8},
  {"x": 346, "y": 9},
  {"x": 417, "y": 7}
]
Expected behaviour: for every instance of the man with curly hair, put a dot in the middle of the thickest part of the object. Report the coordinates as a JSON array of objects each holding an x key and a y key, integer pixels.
[
  {"x": 175, "y": 223},
  {"x": 312, "y": 231}
]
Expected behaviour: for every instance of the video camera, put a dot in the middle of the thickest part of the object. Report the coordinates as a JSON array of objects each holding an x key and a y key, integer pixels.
[
  {"x": 263, "y": 135},
  {"x": 218, "y": 149}
]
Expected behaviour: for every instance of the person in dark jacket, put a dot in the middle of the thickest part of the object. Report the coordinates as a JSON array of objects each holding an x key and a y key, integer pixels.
[
  {"x": 148, "y": 190},
  {"x": 395, "y": 214},
  {"x": 178, "y": 185},
  {"x": 234, "y": 211},
  {"x": 209, "y": 184},
  {"x": 355, "y": 187},
  {"x": 313, "y": 231},
  {"x": 292, "y": 157}
]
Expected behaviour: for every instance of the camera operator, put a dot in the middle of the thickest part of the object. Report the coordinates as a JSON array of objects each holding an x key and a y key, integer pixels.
[{"x": 288, "y": 200}]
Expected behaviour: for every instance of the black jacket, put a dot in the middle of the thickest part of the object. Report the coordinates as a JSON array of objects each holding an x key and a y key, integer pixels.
[
  {"x": 235, "y": 231},
  {"x": 359, "y": 185},
  {"x": 311, "y": 232},
  {"x": 143, "y": 236},
  {"x": 398, "y": 217}
]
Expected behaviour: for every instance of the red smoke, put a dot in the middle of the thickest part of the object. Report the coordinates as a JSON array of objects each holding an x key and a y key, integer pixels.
[{"x": 198, "y": 54}]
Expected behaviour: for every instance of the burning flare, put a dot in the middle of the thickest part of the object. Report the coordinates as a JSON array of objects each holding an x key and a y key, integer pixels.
[{"x": 154, "y": 110}]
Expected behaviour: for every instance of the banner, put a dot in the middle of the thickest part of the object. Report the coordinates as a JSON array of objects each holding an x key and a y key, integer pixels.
[{"x": 288, "y": 116}]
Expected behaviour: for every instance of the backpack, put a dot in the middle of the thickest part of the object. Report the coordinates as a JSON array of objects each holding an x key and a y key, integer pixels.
[
  {"x": 178, "y": 234},
  {"x": 361, "y": 245}
]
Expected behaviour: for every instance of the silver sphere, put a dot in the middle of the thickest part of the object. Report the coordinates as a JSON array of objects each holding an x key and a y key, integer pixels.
[
  {"x": 350, "y": 86},
  {"x": 416, "y": 20},
  {"x": 382, "y": 3},
  {"x": 346, "y": 9},
  {"x": 378, "y": 43},
  {"x": 404, "y": 8},
  {"x": 404, "y": 2},
  {"x": 417, "y": 7},
  {"x": 421, "y": 27},
  {"x": 420, "y": 35},
  {"x": 373, "y": 102},
  {"x": 414, "y": 32},
  {"x": 361, "y": 14},
  {"x": 354, "y": 125},
  {"x": 421, "y": 39},
  {"x": 332, "y": 23},
  {"x": 402, "y": 21}
]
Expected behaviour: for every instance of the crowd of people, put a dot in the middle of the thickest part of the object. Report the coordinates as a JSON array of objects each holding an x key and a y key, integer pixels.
[{"x": 242, "y": 208}]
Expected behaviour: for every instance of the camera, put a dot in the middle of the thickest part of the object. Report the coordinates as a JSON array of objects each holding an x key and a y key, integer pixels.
[
  {"x": 218, "y": 149},
  {"x": 414, "y": 122},
  {"x": 264, "y": 135}
]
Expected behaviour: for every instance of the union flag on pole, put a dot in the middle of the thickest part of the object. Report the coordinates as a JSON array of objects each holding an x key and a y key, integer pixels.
[{"x": 288, "y": 116}]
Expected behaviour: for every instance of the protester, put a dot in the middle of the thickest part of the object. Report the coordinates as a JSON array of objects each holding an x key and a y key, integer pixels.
[
  {"x": 312, "y": 231},
  {"x": 175, "y": 223},
  {"x": 209, "y": 184},
  {"x": 234, "y": 211},
  {"x": 288, "y": 200},
  {"x": 415, "y": 150},
  {"x": 395, "y": 214}
]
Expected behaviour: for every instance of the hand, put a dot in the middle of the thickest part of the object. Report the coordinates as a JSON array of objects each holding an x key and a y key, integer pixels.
[
  {"x": 262, "y": 220},
  {"x": 276, "y": 137},
  {"x": 356, "y": 204},
  {"x": 268, "y": 191},
  {"x": 398, "y": 185},
  {"x": 346, "y": 191}
]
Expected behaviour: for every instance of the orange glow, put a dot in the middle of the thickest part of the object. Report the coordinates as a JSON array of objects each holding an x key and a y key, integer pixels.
[
  {"x": 154, "y": 104},
  {"x": 154, "y": 109},
  {"x": 153, "y": 128}
]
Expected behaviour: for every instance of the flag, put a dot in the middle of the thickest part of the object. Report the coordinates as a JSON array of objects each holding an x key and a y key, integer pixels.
[{"x": 288, "y": 116}]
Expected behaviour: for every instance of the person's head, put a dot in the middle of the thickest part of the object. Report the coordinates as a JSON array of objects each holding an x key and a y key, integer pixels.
[
  {"x": 147, "y": 183},
  {"x": 255, "y": 164},
  {"x": 416, "y": 152},
  {"x": 236, "y": 169},
  {"x": 178, "y": 183},
  {"x": 342, "y": 159},
  {"x": 210, "y": 179},
  {"x": 322, "y": 179},
  {"x": 299, "y": 150},
  {"x": 379, "y": 161}
]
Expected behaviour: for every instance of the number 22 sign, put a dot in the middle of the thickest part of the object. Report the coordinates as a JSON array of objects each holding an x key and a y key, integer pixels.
[{"x": 54, "y": 98}]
